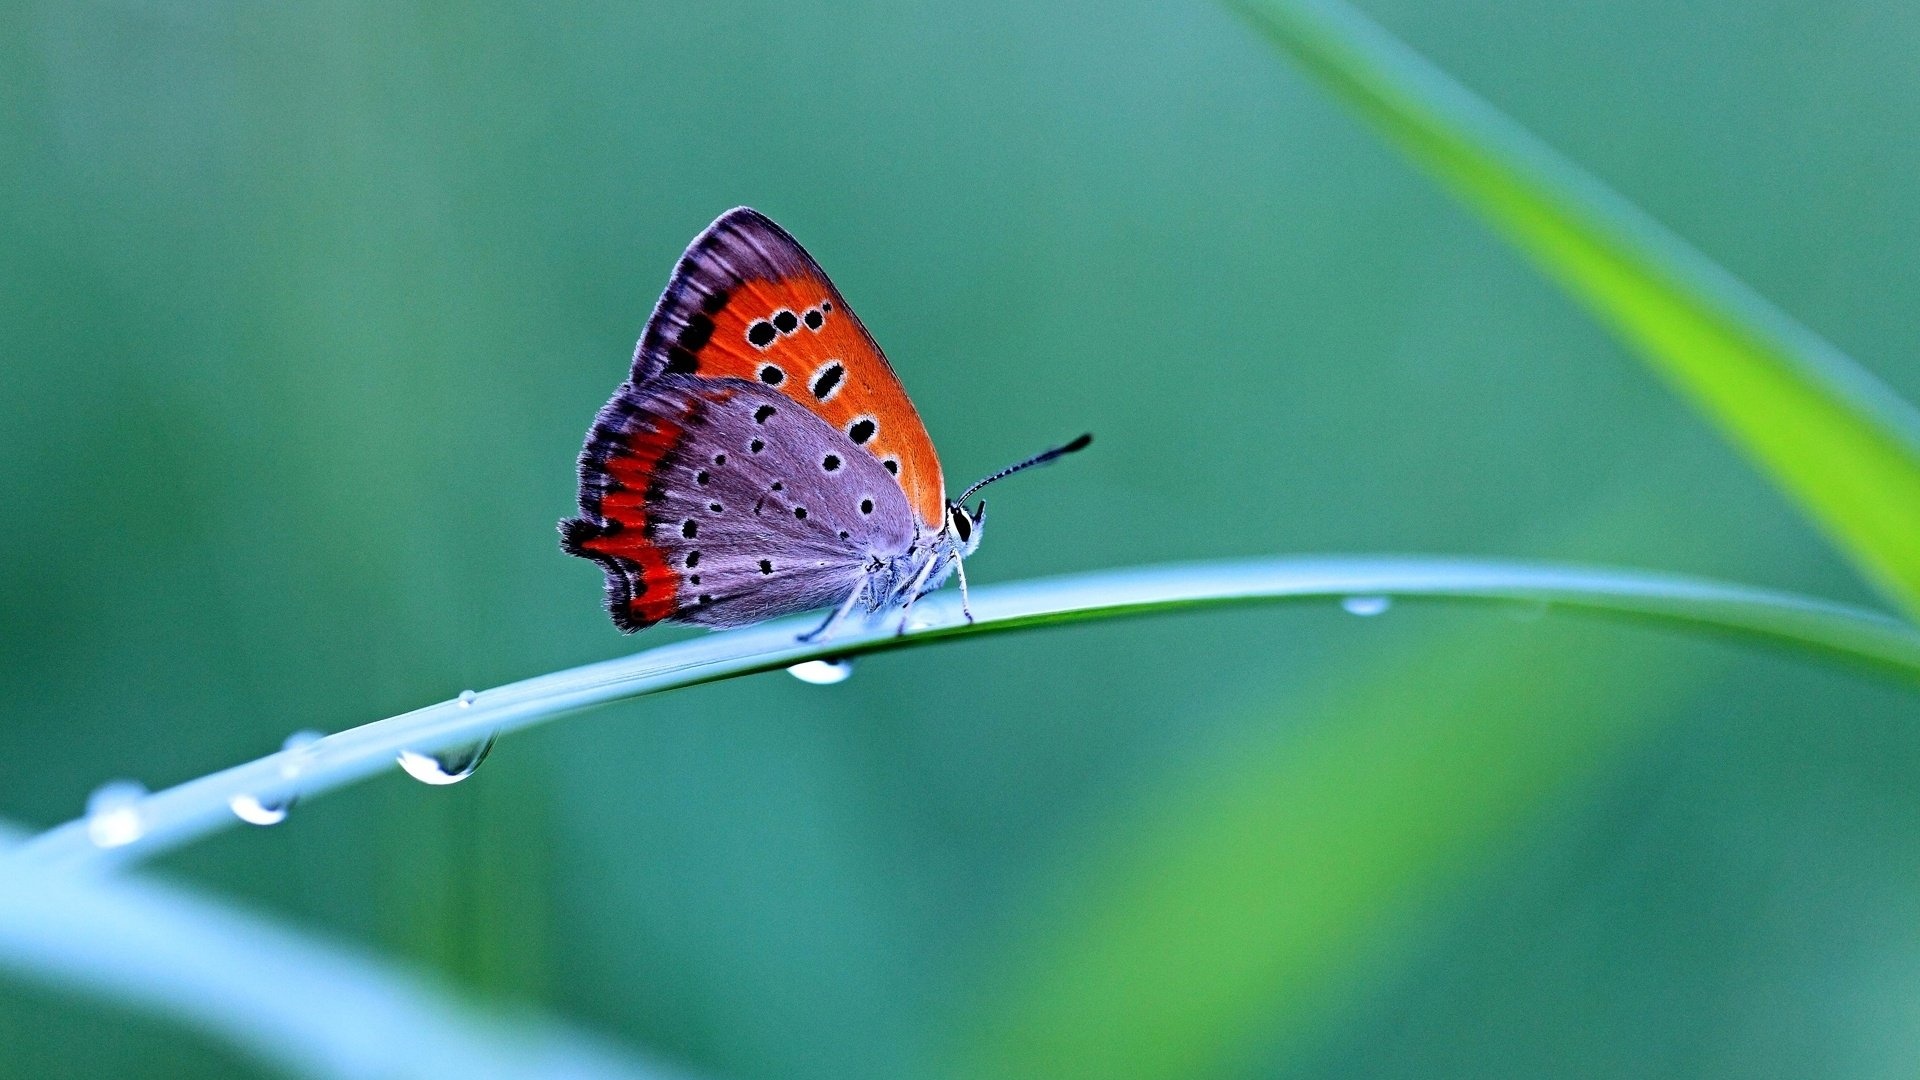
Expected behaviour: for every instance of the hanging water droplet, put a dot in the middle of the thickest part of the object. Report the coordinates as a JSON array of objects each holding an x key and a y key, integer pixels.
[
  {"x": 1366, "y": 606},
  {"x": 448, "y": 766},
  {"x": 823, "y": 672},
  {"x": 113, "y": 814},
  {"x": 295, "y": 756},
  {"x": 466, "y": 699},
  {"x": 250, "y": 809}
]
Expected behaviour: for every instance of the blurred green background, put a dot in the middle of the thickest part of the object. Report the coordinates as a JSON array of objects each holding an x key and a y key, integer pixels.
[{"x": 303, "y": 313}]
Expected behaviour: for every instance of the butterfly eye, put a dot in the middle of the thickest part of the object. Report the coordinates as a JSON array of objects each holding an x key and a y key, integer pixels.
[{"x": 962, "y": 524}]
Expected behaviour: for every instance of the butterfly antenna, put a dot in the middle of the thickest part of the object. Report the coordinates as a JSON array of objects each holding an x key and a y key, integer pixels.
[{"x": 1041, "y": 458}]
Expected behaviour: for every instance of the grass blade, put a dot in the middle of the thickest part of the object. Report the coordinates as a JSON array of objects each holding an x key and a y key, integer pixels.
[
  {"x": 308, "y": 1007},
  {"x": 170, "y": 818},
  {"x": 1839, "y": 441}
]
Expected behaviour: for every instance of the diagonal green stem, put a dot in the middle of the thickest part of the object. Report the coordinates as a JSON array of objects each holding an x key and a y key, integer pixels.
[
  {"x": 1836, "y": 439},
  {"x": 172, "y": 817}
]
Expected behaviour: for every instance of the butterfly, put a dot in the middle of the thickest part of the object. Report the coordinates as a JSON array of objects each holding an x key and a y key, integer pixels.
[{"x": 762, "y": 458}]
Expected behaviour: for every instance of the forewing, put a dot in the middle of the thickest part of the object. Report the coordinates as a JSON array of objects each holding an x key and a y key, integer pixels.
[{"x": 748, "y": 302}]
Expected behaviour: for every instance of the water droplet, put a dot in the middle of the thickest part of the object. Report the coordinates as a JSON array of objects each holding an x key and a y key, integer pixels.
[
  {"x": 302, "y": 739},
  {"x": 448, "y": 766},
  {"x": 295, "y": 757},
  {"x": 466, "y": 699},
  {"x": 295, "y": 750},
  {"x": 250, "y": 809},
  {"x": 823, "y": 672},
  {"x": 1366, "y": 606},
  {"x": 113, "y": 814}
]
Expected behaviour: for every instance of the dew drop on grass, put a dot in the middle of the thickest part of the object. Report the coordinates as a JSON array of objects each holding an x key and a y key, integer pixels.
[
  {"x": 250, "y": 809},
  {"x": 113, "y": 814},
  {"x": 262, "y": 810},
  {"x": 466, "y": 699},
  {"x": 823, "y": 672},
  {"x": 1366, "y": 606},
  {"x": 449, "y": 766},
  {"x": 302, "y": 739}
]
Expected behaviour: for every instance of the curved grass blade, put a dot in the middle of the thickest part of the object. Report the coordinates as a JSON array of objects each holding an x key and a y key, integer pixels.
[
  {"x": 258, "y": 986},
  {"x": 1841, "y": 443},
  {"x": 170, "y": 818}
]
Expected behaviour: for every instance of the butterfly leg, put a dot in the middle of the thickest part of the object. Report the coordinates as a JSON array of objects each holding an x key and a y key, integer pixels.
[
  {"x": 839, "y": 614},
  {"x": 960, "y": 567},
  {"x": 913, "y": 594}
]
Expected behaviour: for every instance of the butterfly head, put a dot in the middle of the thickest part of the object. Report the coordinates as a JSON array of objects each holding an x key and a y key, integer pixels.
[{"x": 965, "y": 526}]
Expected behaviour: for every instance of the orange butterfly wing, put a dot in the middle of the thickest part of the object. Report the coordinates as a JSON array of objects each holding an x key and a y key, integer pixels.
[{"x": 748, "y": 302}]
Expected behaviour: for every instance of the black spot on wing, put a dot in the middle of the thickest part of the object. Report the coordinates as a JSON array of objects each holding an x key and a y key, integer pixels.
[
  {"x": 828, "y": 379},
  {"x": 699, "y": 331}
]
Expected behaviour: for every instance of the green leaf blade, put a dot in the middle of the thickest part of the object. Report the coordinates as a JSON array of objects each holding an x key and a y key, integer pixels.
[
  {"x": 177, "y": 815},
  {"x": 1841, "y": 443}
]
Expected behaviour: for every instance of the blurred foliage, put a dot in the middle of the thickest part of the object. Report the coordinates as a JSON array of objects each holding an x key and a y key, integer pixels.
[
  {"x": 1841, "y": 443},
  {"x": 305, "y": 311},
  {"x": 1263, "y": 878}
]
